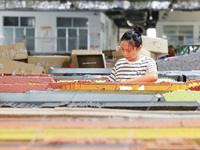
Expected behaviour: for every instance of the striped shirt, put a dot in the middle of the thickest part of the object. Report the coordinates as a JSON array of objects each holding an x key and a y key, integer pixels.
[{"x": 125, "y": 69}]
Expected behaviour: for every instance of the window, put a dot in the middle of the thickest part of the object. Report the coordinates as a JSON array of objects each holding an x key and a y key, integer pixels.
[
  {"x": 8, "y": 35},
  {"x": 27, "y": 21},
  {"x": 64, "y": 22},
  {"x": 186, "y": 30},
  {"x": 30, "y": 38},
  {"x": 80, "y": 22},
  {"x": 170, "y": 29},
  {"x": 61, "y": 40},
  {"x": 72, "y": 39},
  {"x": 72, "y": 33},
  {"x": 178, "y": 34},
  {"x": 18, "y": 30},
  {"x": 19, "y": 35},
  {"x": 10, "y": 21},
  {"x": 83, "y": 39}
]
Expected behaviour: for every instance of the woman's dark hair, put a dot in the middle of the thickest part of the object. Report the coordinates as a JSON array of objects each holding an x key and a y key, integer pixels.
[{"x": 134, "y": 36}]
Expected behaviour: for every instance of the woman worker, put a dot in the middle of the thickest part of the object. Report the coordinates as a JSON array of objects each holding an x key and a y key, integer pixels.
[{"x": 134, "y": 68}]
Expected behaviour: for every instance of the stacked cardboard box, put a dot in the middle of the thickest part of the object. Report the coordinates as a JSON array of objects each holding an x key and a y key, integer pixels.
[
  {"x": 15, "y": 67},
  {"x": 50, "y": 61},
  {"x": 116, "y": 56},
  {"x": 88, "y": 59},
  {"x": 14, "y": 51},
  {"x": 157, "y": 46},
  {"x": 12, "y": 58}
]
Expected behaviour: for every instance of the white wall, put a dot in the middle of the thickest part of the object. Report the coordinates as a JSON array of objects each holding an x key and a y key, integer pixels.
[
  {"x": 48, "y": 19},
  {"x": 109, "y": 33},
  {"x": 180, "y": 18}
]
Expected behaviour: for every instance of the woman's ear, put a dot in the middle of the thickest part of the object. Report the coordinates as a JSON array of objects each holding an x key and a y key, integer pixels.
[{"x": 139, "y": 48}]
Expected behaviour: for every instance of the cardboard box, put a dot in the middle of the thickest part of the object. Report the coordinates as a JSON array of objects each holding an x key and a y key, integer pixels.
[
  {"x": 20, "y": 51},
  {"x": 109, "y": 65},
  {"x": 154, "y": 55},
  {"x": 50, "y": 61},
  {"x": 157, "y": 45},
  {"x": 117, "y": 55},
  {"x": 88, "y": 59},
  {"x": 147, "y": 53},
  {"x": 22, "y": 60},
  {"x": 14, "y": 67},
  {"x": 13, "y": 51},
  {"x": 158, "y": 55}
]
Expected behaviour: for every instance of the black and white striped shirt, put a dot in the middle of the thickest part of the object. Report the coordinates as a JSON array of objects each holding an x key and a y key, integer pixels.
[{"x": 125, "y": 69}]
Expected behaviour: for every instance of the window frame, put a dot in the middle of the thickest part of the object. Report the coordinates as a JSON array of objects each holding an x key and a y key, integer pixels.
[{"x": 67, "y": 38}]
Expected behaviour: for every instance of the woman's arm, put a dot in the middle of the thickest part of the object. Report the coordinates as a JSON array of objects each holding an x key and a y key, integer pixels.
[{"x": 150, "y": 77}]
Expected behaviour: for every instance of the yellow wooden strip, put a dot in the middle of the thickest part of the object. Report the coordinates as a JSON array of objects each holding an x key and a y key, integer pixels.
[
  {"x": 144, "y": 133},
  {"x": 17, "y": 134},
  {"x": 134, "y": 133}
]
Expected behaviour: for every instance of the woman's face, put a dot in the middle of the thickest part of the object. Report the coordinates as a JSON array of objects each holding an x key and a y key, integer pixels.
[{"x": 130, "y": 52}]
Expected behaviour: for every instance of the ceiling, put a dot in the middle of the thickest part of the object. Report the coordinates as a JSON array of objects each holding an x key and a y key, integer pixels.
[{"x": 124, "y": 13}]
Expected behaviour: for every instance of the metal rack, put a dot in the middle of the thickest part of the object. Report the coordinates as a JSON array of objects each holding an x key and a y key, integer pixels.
[
  {"x": 52, "y": 99},
  {"x": 187, "y": 49},
  {"x": 80, "y": 71},
  {"x": 177, "y": 75}
]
